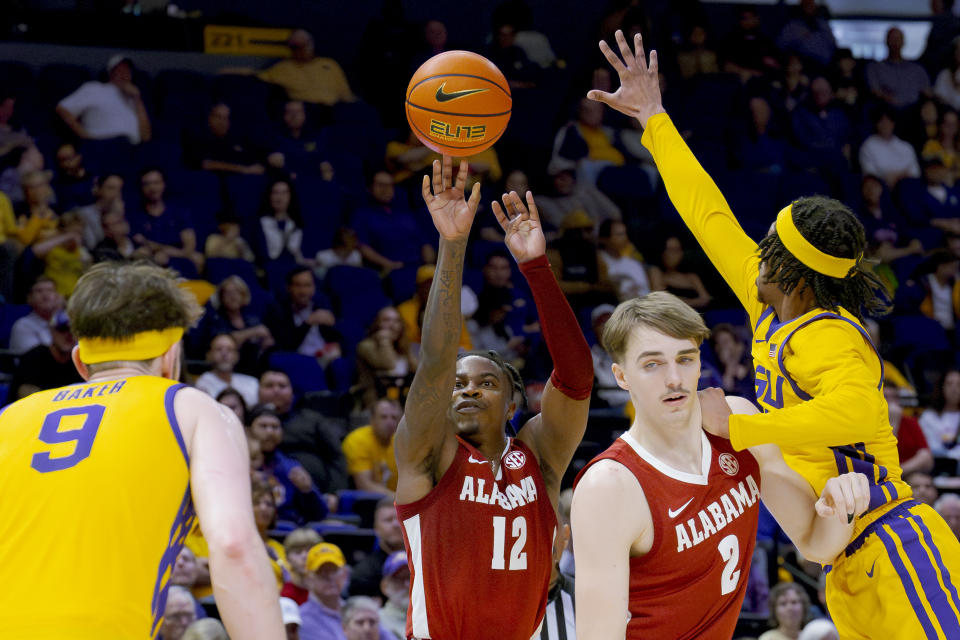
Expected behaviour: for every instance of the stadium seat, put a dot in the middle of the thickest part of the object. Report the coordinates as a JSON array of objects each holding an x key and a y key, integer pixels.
[
  {"x": 181, "y": 94},
  {"x": 245, "y": 193},
  {"x": 355, "y": 543},
  {"x": 114, "y": 155},
  {"x": 56, "y": 81},
  {"x": 342, "y": 372},
  {"x": 922, "y": 344},
  {"x": 305, "y": 372},
  {"x": 361, "y": 503},
  {"x": 218, "y": 269},
  {"x": 10, "y": 313},
  {"x": 796, "y": 185},
  {"x": 736, "y": 317},
  {"x": 402, "y": 283},
  {"x": 356, "y": 293}
]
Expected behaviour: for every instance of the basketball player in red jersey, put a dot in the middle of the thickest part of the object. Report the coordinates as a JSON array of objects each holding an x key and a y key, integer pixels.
[
  {"x": 664, "y": 521},
  {"x": 479, "y": 508}
]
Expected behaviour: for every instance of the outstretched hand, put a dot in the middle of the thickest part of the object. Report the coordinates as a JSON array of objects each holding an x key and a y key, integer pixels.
[
  {"x": 639, "y": 92},
  {"x": 452, "y": 214},
  {"x": 521, "y": 225}
]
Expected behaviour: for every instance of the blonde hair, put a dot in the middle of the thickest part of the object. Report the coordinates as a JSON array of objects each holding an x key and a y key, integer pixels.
[
  {"x": 239, "y": 283},
  {"x": 301, "y": 539},
  {"x": 661, "y": 311},
  {"x": 206, "y": 629}
]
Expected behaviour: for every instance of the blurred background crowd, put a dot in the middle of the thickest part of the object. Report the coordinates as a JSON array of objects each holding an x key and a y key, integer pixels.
[{"x": 285, "y": 190}]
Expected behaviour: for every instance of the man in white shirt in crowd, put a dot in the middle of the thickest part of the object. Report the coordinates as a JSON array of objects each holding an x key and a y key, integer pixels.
[
  {"x": 223, "y": 356},
  {"x": 101, "y": 110},
  {"x": 33, "y": 329}
]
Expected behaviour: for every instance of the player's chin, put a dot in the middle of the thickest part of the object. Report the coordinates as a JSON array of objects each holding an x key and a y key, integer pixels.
[{"x": 468, "y": 426}]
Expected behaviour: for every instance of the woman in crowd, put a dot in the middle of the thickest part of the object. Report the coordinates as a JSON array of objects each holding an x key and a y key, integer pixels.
[{"x": 384, "y": 356}]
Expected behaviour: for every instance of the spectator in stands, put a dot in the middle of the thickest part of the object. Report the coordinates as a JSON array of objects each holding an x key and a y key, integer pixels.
[
  {"x": 921, "y": 483},
  {"x": 761, "y": 149},
  {"x": 942, "y": 302},
  {"x": 301, "y": 149},
  {"x": 343, "y": 251},
  {"x": 73, "y": 184},
  {"x": 366, "y": 576},
  {"x": 297, "y": 545},
  {"x": 310, "y": 438},
  {"x": 694, "y": 57},
  {"x": 886, "y": 229},
  {"x": 301, "y": 324},
  {"x": 232, "y": 314},
  {"x": 412, "y": 310},
  {"x": 789, "y": 610},
  {"x": 326, "y": 577},
  {"x": 107, "y": 193},
  {"x": 290, "y": 612},
  {"x": 222, "y": 356},
  {"x": 491, "y": 331},
  {"x": 116, "y": 243},
  {"x": 624, "y": 267},
  {"x": 948, "y": 506},
  {"x": 809, "y": 34},
  {"x": 407, "y": 159},
  {"x": 395, "y": 586},
  {"x": 9, "y": 247},
  {"x": 160, "y": 227},
  {"x": 206, "y": 629},
  {"x": 11, "y": 138},
  {"x": 939, "y": 204},
  {"x": 945, "y": 144},
  {"x": 588, "y": 143},
  {"x": 220, "y": 149},
  {"x": 23, "y": 160},
  {"x": 64, "y": 256},
  {"x": 885, "y": 155},
  {"x": 180, "y": 613},
  {"x": 941, "y": 421},
  {"x": 265, "y": 517},
  {"x": 47, "y": 366},
  {"x": 747, "y": 51},
  {"x": 390, "y": 235},
  {"x": 673, "y": 277},
  {"x": 281, "y": 222},
  {"x": 512, "y": 60},
  {"x": 296, "y": 497},
  {"x": 184, "y": 574},
  {"x": 575, "y": 260},
  {"x": 228, "y": 243},
  {"x": 947, "y": 84},
  {"x": 895, "y": 81},
  {"x": 733, "y": 359},
  {"x": 361, "y": 619},
  {"x": 306, "y": 77},
  {"x": 100, "y": 110},
  {"x": 233, "y": 400},
  {"x": 911, "y": 444},
  {"x": 607, "y": 389},
  {"x": 35, "y": 217},
  {"x": 570, "y": 195},
  {"x": 385, "y": 358},
  {"x": 849, "y": 80},
  {"x": 33, "y": 329},
  {"x": 822, "y": 129}
]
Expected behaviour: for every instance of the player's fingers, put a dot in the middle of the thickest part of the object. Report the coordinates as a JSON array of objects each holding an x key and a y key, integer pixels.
[
  {"x": 447, "y": 173},
  {"x": 437, "y": 177},
  {"x": 501, "y": 217},
  {"x": 654, "y": 67},
  {"x": 640, "y": 56},
  {"x": 612, "y": 58},
  {"x": 846, "y": 505},
  {"x": 824, "y": 510},
  {"x": 600, "y": 96},
  {"x": 861, "y": 492},
  {"x": 427, "y": 196},
  {"x": 532, "y": 206},
  {"x": 474, "y": 200},
  {"x": 519, "y": 206},
  {"x": 462, "y": 175},
  {"x": 625, "y": 52}
]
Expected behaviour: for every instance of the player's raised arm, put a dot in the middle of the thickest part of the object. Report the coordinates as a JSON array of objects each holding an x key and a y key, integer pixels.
[
  {"x": 820, "y": 528},
  {"x": 243, "y": 583},
  {"x": 699, "y": 201},
  {"x": 556, "y": 432},
  {"x": 425, "y": 426}
]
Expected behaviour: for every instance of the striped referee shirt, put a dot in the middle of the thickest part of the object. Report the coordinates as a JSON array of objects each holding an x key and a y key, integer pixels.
[{"x": 558, "y": 621}]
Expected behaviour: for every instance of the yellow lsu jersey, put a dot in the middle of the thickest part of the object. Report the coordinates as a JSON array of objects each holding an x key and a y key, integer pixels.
[
  {"x": 818, "y": 377},
  {"x": 96, "y": 505}
]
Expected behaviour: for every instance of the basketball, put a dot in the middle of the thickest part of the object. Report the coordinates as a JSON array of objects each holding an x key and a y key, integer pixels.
[{"x": 458, "y": 103}]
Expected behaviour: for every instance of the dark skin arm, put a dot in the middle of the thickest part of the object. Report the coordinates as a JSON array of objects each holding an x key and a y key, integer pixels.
[{"x": 425, "y": 444}]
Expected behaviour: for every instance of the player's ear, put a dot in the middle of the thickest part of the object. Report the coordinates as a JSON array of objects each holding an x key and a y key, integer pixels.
[
  {"x": 619, "y": 375},
  {"x": 78, "y": 363},
  {"x": 170, "y": 362}
]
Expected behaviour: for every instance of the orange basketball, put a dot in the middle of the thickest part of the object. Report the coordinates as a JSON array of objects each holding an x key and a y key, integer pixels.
[{"x": 458, "y": 103}]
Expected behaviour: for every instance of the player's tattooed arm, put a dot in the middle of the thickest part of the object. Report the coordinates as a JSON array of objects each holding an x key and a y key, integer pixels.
[{"x": 425, "y": 425}]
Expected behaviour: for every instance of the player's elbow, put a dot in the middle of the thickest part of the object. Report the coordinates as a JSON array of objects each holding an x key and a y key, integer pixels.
[{"x": 233, "y": 544}]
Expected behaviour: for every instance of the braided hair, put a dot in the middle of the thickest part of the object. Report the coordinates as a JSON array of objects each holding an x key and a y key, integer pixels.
[
  {"x": 832, "y": 228},
  {"x": 510, "y": 371}
]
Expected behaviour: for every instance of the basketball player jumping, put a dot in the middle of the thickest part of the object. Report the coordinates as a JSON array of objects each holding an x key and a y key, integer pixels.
[
  {"x": 479, "y": 508},
  {"x": 664, "y": 521},
  {"x": 100, "y": 479},
  {"x": 819, "y": 377}
]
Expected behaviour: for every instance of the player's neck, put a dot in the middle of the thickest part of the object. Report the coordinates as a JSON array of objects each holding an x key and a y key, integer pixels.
[
  {"x": 794, "y": 305},
  {"x": 119, "y": 372},
  {"x": 678, "y": 447}
]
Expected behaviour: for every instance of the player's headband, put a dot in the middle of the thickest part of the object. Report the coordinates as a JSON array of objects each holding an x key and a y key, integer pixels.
[
  {"x": 141, "y": 346},
  {"x": 808, "y": 254}
]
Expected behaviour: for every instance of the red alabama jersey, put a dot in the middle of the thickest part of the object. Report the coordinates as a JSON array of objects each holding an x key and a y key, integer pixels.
[
  {"x": 480, "y": 549},
  {"x": 692, "y": 581}
]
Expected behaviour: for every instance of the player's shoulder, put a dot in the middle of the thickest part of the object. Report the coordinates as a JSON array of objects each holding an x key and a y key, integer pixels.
[
  {"x": 828, "y": 334},
  {"x": 608, "y": 475},
  {"x": 741, "y": 405}
]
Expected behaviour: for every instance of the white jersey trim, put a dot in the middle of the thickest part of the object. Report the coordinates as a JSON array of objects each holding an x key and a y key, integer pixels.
[
  {"x": 418, "y": 595},
  {"x": 676, "y": 474}
]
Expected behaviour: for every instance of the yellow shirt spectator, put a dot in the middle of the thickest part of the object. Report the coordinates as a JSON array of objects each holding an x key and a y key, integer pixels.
[
  {"x": 369, "y": 449},
  {"x": 319, "y": 80},
  {"x": 8, "y": 224}
]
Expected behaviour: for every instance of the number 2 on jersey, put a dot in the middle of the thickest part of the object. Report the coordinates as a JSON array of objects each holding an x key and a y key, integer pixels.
[
  {"x": 518, "y": 557},
  {"x": 83, "y": 435},
  {"x": 729, "y": 549}
]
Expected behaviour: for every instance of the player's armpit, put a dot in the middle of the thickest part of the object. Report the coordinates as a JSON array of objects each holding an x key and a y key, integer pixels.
[
  {"x": 556, "y": 432},
  {"x": 603, "y": 534}
]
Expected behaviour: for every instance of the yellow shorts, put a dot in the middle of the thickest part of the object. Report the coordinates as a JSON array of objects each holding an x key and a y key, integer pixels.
[{"x": 898, "y": 579}]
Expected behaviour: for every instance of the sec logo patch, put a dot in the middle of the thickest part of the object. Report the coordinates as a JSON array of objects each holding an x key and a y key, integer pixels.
[
  {"x": 728, "y": 464},
  {"x": 515, "y": 460}
]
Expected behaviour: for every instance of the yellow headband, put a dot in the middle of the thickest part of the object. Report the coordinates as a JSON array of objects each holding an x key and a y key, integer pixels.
[
  {"x": 808, "y": 254},
  {"x": 141, "y": 346}
]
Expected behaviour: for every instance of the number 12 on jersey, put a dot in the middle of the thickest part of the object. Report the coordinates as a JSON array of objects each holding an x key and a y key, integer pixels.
[{"x": 518, "y": 557}]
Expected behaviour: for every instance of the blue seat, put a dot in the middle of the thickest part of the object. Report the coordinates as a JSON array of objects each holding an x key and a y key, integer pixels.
[
  {"x": 180, "y": 92},
  {"x": 184, "y": 267},
  {"x": 356, "y": 292},
  {"x": 403, "y": 283},
  {"x": 10, "y": 313},
  {"x": 796, "y": 185},
  {"x": 245, "y": 193},
  {"x": 736, "y": 317},
  {"x": 56, "y": 81},
  {"x": 165, "y": 153},
  {"x": 305, "y": 372},
  {"x": 218, "y": 269},
  {"x": 915, "y": 333},
  {"x": 114, "y": 155}
]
